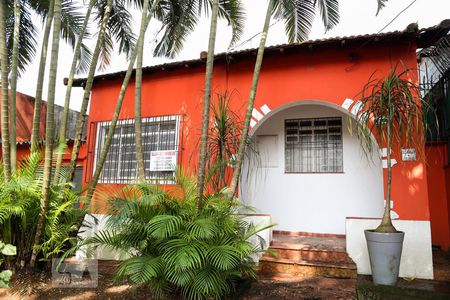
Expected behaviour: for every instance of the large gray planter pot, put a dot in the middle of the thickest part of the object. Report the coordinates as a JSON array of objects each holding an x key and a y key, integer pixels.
[{"x": 385, "y": 250}]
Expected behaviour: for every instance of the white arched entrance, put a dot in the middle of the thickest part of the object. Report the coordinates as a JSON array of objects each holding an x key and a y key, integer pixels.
[{"x": 305, "y": 184}]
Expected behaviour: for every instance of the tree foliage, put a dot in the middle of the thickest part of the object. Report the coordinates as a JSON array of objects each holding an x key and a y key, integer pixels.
[
  {"x": 19, "y": 209},
  {"x": 391, "y": 110},
  {"x": 175, "y": 248}
]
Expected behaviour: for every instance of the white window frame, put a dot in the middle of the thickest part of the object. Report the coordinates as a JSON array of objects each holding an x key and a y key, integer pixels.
[
  {"x": 339, "y": 163},
  {"x": 124, "y": 122}
]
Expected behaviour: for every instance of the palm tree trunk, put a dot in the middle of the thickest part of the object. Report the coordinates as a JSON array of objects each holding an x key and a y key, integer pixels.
[
  {"x": 4, "y": 106},
  {"x": 202, "y": 157},
  {"x": 40, "y": 79},
  {"x": 87, "y": 91},
  {"x": 49, "y": 129},
  {"x": 386, "y": 225},
  {"x": 138, "y": 96},
  {"x": 251, "y": 101},
  {"x": 14, "y": 72},
  {"x": 63, "y": 128},
  {"x": 105, "y": 148}
]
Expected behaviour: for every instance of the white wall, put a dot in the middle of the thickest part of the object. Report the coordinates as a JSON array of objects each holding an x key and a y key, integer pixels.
[
  {"x": 417, "y": 257},
  {"x": 316, "y": 203}
]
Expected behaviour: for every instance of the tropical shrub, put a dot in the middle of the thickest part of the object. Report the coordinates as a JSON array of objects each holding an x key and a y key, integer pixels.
[
  {"x": 223, "y": 141},
  {"x": 5, "y": 275},
  {"x": 175, "y": 247},
  {"x": 19, "y": 209},
  {"x": 224, "y": 137},
  {"x": 392, "y": 111}
]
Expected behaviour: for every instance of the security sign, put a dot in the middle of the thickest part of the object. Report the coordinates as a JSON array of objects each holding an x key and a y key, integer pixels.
[
  {"x": 163, "y": 160},
  {"x": 409, "y": 154}
]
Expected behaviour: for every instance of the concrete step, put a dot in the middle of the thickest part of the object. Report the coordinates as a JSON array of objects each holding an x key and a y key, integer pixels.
[
  {"x": 280, "y": 267},
  {"x": 295, "y": 256},
  {"x": 308, "y": 254}
]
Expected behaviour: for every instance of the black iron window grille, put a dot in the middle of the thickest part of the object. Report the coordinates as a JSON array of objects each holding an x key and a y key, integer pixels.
[
  {"x": 313, "y": 145},
  {"x": 160, "y": 136}
]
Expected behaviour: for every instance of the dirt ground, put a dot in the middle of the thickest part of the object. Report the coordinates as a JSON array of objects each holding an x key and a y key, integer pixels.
[{"x": 39, "y": 286}]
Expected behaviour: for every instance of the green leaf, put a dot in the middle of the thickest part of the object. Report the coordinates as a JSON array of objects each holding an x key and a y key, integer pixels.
[
  {"x": 5, "y": 276},
  {"x": 3, "y": 284},
  {"x": 9, "y": 250},
  {"x": 163, "y": 226}
]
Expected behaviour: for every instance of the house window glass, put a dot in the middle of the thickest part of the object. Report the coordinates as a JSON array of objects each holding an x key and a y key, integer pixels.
[
  {"x": 159, "y": 135},
  {"x": 313, "y": 145}
]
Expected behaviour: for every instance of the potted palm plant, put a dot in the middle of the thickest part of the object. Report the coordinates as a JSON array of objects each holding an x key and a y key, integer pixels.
[{"x": 392, "y": 113}]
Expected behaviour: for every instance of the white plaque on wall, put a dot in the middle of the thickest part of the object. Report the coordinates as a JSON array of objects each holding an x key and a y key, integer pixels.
[
  {"x": 409, "y": 154},
  {"x": 163, "y": 160}
]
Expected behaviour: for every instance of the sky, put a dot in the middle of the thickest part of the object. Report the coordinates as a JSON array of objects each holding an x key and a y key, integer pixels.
[{"x": 356, "y": 17}]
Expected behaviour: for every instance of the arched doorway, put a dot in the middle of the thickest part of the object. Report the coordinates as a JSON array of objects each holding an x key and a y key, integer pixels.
[{"x": 310, "y": 172}]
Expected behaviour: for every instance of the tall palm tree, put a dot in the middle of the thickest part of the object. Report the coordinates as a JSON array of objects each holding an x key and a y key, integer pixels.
[
  {"x": 105, "y": 148},
  {"x": 49, "y": 128},
  {"x": 178, "y": 19},
  {"x": 4, "y": 105},
  {"x": 138, "y": 94},
  {"x": 298, "y": 17},
  {"x": 40, "y": 79},
  {"x": 14, "y": 75},
  {"x": 73, "y": 68},
  {"x": 235, "y": 18},
  {"x": 118, "y": 25},
  {"x": 71, "y": 27},
  {"x": 202, "y": 156}
]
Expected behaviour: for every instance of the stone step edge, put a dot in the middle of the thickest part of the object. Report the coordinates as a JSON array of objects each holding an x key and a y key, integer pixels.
[
  {"x": 285, "y": 261},
  {"x": 341, "y": 258},
  {"x": 282, "y": 247},
  {"x": 288, "y": 277}
]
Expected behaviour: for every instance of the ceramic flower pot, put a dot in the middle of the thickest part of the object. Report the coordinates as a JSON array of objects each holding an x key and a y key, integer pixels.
[{"x": 385, "y": 250}]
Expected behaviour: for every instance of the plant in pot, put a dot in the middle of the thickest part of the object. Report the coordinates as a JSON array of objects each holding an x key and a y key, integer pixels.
[{"x": 391, "y": 111}]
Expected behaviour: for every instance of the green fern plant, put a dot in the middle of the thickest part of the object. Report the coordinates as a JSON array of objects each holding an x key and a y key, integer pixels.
[
  {"x": 5, "y": 275},
  {"x": 174, "y": 247},
  {"x": 19, "y": 209}
]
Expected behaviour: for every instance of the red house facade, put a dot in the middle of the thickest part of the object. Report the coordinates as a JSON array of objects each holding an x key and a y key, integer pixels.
[
  {"x": 24, "y": 125},
  {"x": 312, "y": 176}
]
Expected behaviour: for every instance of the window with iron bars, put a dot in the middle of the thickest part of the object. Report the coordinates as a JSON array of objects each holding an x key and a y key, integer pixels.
[
  {"x": 313, "y": 145},
  {"x": 158, "y": 134}
]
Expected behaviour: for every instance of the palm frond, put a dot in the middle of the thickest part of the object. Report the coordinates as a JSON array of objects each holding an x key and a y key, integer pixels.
[
  {"x": 27, "y": 35},
  {"x": 119, "y": 29},
  {"x": 298, "y": 16},
  {"x": 178, "y": 21},
  {"x": 380, "y": 5},
  {"x": 233, "y": 12},
  {"x": 329, "y": 10},
  {"x": 71, "y": 21}
]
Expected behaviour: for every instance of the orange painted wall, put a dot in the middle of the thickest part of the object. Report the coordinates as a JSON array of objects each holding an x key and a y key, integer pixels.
[
  {"x": 438, "y": 194},
  {"x": 24, "y": 150},
  {"x": 447, "y": 185},
  {"x": 302, "y": 74}
]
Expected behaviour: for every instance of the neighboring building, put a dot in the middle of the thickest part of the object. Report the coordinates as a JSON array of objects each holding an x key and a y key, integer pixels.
[
  {"x": 312, "y": 176},
  {"x": 434, "y": 70},
  {"x": 24, "y": 124}
]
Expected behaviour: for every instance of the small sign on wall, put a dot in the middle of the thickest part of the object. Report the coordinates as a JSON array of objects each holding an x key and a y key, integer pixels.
[
  {"x": 409, "y": 154},
  {"x": 163, "y": 160}
]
